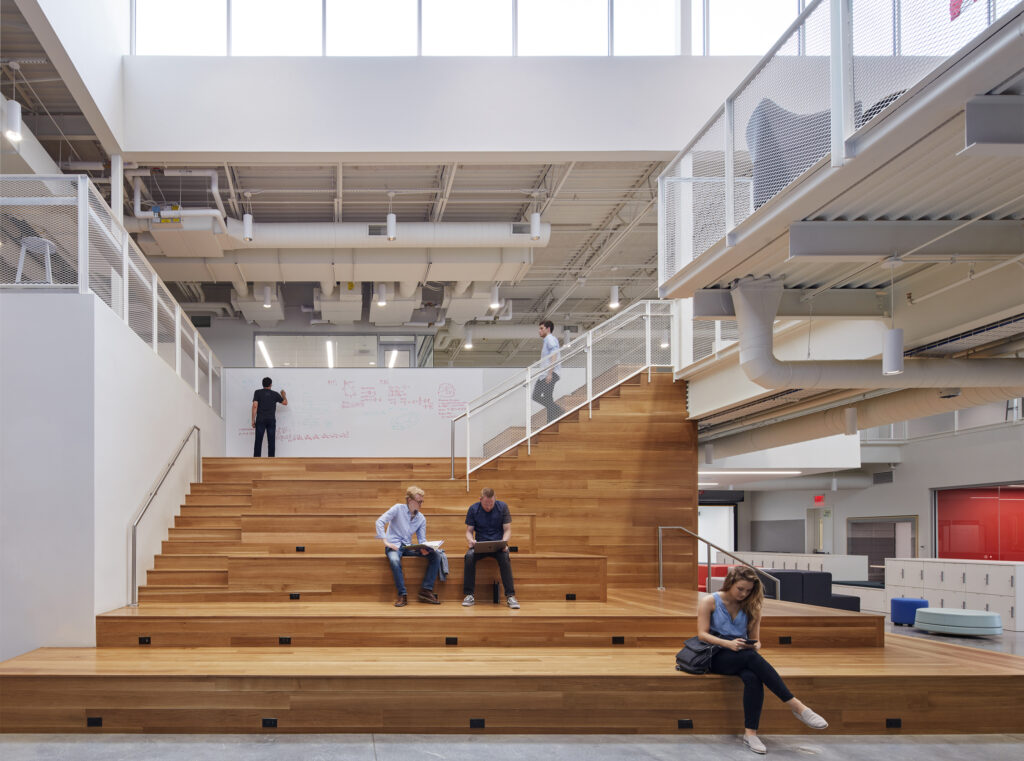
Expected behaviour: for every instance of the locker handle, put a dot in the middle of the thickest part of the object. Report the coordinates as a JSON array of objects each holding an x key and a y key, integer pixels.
[
  {"x": 902, "y": 572},
  {"x": 942, "y": 575},
  {"x": 986, "y": 581}
]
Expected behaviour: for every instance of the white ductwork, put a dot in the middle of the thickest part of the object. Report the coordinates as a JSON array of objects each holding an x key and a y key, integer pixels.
[
  {"x": 812, "y": 483},
  {"x": 883, "y": 410},
  {"x": 482, "y": 331},
  {"x": 358, "y": 235},
  {"x": 756, "y": 302}
]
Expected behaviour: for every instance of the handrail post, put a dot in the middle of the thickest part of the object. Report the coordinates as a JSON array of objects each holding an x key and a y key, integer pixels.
[
  {"x": 467, "y": 446},
  {"x": 647, "y": 339},
  {"x": 661, "y": 566},
  {"x": 589, "y": 351},
  {"x": 83, "y": 234},
  {"x": 529, "y": 413},
  {"x": 453, "y": 450}
]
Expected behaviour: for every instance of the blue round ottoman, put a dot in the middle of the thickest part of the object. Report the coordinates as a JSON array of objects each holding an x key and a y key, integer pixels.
[{"x": 903, "y": 609}]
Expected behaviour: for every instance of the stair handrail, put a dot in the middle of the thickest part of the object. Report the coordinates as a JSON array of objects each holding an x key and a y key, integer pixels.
[
  {"x": 737, "y": 558},
  {"x": 581, "y": 344},
  {"x": 144, "y": 507}
]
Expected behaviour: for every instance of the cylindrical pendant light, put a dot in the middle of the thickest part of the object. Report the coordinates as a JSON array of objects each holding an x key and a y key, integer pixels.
[
  {"x": 468, "y": 343},
  {"x": 892, "y": 352},
  {"x": 12, "y": 121},
  {"x": 495, "y": 301},
  {"x": 535, "y": 226},
  {"x": 613, "y": 299},
  {"x": 392, "y": 226},
  {"x": 266, "y": 297},
  {"x": 664, "y": 339},
  {"x": 247, "y": 227},
  {"x": 382, "y": 295}
]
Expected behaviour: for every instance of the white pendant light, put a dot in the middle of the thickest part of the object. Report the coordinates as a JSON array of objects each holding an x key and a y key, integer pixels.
[
  {"x": 535, "y": 226},
  {"x": 247, "y": 227},
  {"x": 892, "y": 352},
  {"x": 392, "y": 220},
  {"x": 266, "y": 297},
  {"x": 468, "y": 343},
  {"x": 664, "y": 339},
  {"x": 12, "y": 121},
  {"x": 709, "y": 454},
  {"x": 495, "y": 301},
  {"x": 835, "y": 483},
  {"x": 613, "y": 299},
  {"x": 382, "y": 294}
]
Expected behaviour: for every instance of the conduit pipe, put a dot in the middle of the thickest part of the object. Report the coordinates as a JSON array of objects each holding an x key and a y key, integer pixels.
[
  {"x": 756, "y": 302},
  {"x": 171, "y": 213},
  {"x": 883, "y": 410},
  {"x": 357, "y": 235}
]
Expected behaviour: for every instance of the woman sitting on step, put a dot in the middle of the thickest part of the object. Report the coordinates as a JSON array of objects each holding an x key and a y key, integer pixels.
[{"x": 731, "y": 619}]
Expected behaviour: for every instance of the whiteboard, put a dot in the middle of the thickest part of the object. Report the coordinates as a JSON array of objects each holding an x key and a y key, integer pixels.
[{"x": 352, "y": 412}]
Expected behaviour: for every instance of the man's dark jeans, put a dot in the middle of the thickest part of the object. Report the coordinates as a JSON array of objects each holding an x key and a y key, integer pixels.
[
  {"x": 270, "y": 428},
  {"x": 504, "y": 566},
  {"x": 544, "y": 392}
]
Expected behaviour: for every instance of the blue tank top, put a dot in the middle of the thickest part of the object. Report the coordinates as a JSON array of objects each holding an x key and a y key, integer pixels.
[{"x": 726, "y": 625}]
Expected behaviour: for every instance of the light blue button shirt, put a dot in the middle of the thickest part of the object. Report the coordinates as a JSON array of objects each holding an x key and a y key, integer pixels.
[
  {"x": 550, "y": 347},
  {"x": 401, "y": 525}
]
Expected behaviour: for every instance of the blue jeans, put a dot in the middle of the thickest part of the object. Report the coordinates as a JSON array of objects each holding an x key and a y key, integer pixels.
[{"x": 395, "y": 559}]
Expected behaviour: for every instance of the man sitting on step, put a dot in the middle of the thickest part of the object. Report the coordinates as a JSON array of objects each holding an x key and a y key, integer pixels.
[
  {"x": 488, "y": 521},
  {"x": 403, "y": 521}
]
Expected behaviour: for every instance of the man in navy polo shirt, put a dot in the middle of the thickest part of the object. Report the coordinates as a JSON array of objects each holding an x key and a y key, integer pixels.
[{"x": 488, "y": 521}]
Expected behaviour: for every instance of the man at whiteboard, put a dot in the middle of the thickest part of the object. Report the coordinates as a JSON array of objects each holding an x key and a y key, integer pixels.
[
  {"x": 264, "y": 416},
  {"x": 544, "y": 389},
  {"x": 403, "y": 522}
]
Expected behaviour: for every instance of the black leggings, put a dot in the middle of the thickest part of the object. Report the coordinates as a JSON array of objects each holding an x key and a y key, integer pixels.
[{"x": 755, "y": 672}]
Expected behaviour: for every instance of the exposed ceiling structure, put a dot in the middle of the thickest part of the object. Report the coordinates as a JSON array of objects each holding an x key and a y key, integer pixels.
[
  {"x": 599, "y": 217},
  {"x": 922, "y": 229}
]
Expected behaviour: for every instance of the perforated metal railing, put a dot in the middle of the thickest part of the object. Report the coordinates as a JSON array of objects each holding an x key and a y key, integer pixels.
[
  {"x": 57, "y": 234},
  {"x": 633, "y": 341},
  {"x": 838, "y": 66}
]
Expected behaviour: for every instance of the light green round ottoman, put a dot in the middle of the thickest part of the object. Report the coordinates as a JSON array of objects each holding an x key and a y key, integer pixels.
[{"x": 958, "y": 621}]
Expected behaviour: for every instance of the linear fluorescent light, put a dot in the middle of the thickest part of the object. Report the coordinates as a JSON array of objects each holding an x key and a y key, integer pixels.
[
  {"x": 330, "y": 354},
  {"x": 263, "y": 351},
  {"x": 394, "y": 358},
  {"x": 707, "y": 483},
  {"x": 749, "y": 472},
  {"x": 495, "y": 301}
]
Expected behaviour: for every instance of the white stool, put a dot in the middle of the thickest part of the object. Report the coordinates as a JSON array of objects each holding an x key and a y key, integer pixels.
[{"x": 35, "y": 245}]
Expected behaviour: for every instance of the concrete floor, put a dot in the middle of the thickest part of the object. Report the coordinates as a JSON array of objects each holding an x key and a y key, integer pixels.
[
  {"x": 1007, "y": 642},
  {"x": 502, "y": 747}
]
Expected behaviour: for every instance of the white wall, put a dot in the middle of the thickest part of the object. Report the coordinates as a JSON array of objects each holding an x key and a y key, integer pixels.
[
  {"x": 141, "y": 417},
  {"x": 972, "y": 457},
  {"x": 427, "y": 105},
  {"x": 46, "y": 478},
  {"x": 89, "y": 417},
  {"x": 86, "y": 42}
]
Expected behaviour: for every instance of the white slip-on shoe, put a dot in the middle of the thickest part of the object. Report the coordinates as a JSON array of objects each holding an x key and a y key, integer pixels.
[
  {"x": 754, "y": 743},
  {"x": 468, "y": 600},
  {"x": 512, "y": 602},
  {"x": 811, "y": 719}
]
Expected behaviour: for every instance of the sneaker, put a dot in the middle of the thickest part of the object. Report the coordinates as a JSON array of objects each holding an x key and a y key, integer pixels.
[
  {"x": 811, "y": 719},
  {"x": 754, "y": 743},
  {"x": 468, "y": 601},
  {"x": 512, "y": 602}
]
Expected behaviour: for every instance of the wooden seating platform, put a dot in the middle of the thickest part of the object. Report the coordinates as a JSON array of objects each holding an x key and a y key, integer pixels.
[
  {"x": 629, "y": 618},
  {"x": 909, "y": 686}
]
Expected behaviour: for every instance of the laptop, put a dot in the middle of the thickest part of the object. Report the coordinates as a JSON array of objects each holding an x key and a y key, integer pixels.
[{"x": 481, "y": 547}]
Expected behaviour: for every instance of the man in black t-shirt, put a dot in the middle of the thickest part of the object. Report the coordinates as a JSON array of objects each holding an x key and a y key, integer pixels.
[
  {"x": 488, "y": 521},
  {"x": 264, "y": 415}
]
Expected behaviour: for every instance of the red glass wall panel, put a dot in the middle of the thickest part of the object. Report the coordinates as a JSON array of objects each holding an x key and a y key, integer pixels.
[{"x": 980, "y": 523}]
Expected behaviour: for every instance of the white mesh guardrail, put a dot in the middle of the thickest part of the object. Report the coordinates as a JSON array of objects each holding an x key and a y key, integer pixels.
[
  {"x": 795, "y": 105},
  {"x": 57, "y": 233},
  {"x": 636, "y": 339}
]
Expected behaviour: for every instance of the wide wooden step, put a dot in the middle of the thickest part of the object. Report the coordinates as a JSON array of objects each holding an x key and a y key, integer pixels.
[{"x": 928, "y": 687}]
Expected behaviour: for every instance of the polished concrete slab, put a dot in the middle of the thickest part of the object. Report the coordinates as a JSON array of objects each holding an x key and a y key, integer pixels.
[
  {"x": 502, "y": 747},
  {"x": 1008, "y": 642}
]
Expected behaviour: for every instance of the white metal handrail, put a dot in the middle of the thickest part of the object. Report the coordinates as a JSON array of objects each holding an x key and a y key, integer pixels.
[
  {"x": 133, "y": 560},
  {"x": 581, "y": 350},
  {"x": 737, "y": 558}
]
